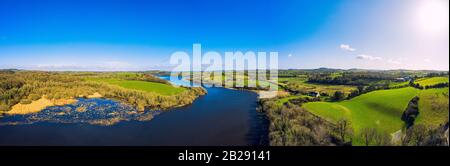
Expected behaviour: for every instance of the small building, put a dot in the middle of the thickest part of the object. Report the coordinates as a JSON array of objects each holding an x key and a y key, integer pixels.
[{"x": 314, "y": 94}]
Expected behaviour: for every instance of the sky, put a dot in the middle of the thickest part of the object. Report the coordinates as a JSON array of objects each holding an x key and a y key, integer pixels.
[{"x": 140, "y": 35}]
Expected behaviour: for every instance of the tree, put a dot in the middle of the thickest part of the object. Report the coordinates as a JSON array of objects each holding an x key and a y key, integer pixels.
[
  {"x": 360, "y": 89},
  {"x": 368, "y": 134},
  {"x": 411, "y": 112},
  {"x": 416, "y": 135},
  {"x": 353, "y": 94},
  {"x": 338, "y": 95},
  {"x": 419, "y": 133},
  {"x": 344, "y": 129},
  {"x": 382, "y": 139}
]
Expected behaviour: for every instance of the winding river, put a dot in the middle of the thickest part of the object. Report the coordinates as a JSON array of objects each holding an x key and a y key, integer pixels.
[{"x": 222, "y": 117}]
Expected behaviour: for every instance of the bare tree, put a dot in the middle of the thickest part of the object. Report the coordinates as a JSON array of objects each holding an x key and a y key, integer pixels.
[
  {"x": 382, "y": 139},
  {"x": 344, "y": 129},
  {"x": 416, "y": 135},
  {"x": 368, "y": 134}
]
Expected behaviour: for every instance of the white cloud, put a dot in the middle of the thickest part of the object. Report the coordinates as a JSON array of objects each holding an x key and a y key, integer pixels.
[
  {"x": 347, "y": 47},
  {"x": 368, "y": 57},
  {"x": 427, "y": 60},
  {"x": 290, "y": 55}
]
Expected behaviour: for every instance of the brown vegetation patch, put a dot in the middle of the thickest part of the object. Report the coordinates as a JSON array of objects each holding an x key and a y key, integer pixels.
[
  {"x": 38, "y": 105},
  {"x": 95, "y": 95}
]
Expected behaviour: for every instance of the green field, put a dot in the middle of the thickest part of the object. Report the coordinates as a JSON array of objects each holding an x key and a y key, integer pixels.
[
  {"x": 298, "y": 79},
  {"x": 159, "y": 88},
  {"x": 399, "y": 84},
  {"x": 433, "y": 107},
  {"x": 330, "y": 89},
  {"x": 301, "y": 84},
  {"x": 379, "y": 109},
  {"x": 283, "y": 100},
  {"x": 431, "y": 81}
]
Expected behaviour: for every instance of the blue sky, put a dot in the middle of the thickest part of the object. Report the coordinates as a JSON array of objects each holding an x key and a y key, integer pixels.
[{"x": 136, "y": 35}]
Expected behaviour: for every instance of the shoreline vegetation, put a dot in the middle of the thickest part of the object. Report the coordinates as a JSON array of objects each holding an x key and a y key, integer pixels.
[{"x": 31, "y": 91}]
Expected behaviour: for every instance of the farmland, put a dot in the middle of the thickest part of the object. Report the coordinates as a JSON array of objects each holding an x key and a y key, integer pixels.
[
  {"x": 368, "y": 103},
  {"x": 379, "y": 109},
  {"x": 433, "y": 107},
  {"x": 159, "y": 88},
  {"x": 431, "y": 81},
  {"x": 284, "y": 100}
]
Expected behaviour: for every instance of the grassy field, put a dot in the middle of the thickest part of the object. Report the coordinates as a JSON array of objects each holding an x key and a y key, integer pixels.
[
  {"x": 431, "y": 81},
  {"x": 283, "y": 100},
  {"x": 379, "y": 109},
  {"x": 320, "y": 88},
  {"x": 433, "y": 107},
  {"x": 125, "y": 74},
  {"x": 299, "y": 83},
  {"x": 332, "y": 112},
  {"x": 398, "y": 84},
  {"x": 330, "y": 89},
  {"x": 159, "y": 88},
  {"x": 298, "y": 79}
]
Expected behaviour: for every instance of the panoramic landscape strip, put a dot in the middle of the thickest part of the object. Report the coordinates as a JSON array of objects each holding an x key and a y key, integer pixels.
[
  {"x": 225, "y": 80},
  {"x": 311, "y": 107}
]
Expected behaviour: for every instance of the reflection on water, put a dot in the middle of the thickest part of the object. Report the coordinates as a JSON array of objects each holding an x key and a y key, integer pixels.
[{"x": 92, "y": 111}]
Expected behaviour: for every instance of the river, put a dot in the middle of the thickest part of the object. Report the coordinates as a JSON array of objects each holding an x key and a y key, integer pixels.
[{"x": 222, "y": 117}]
